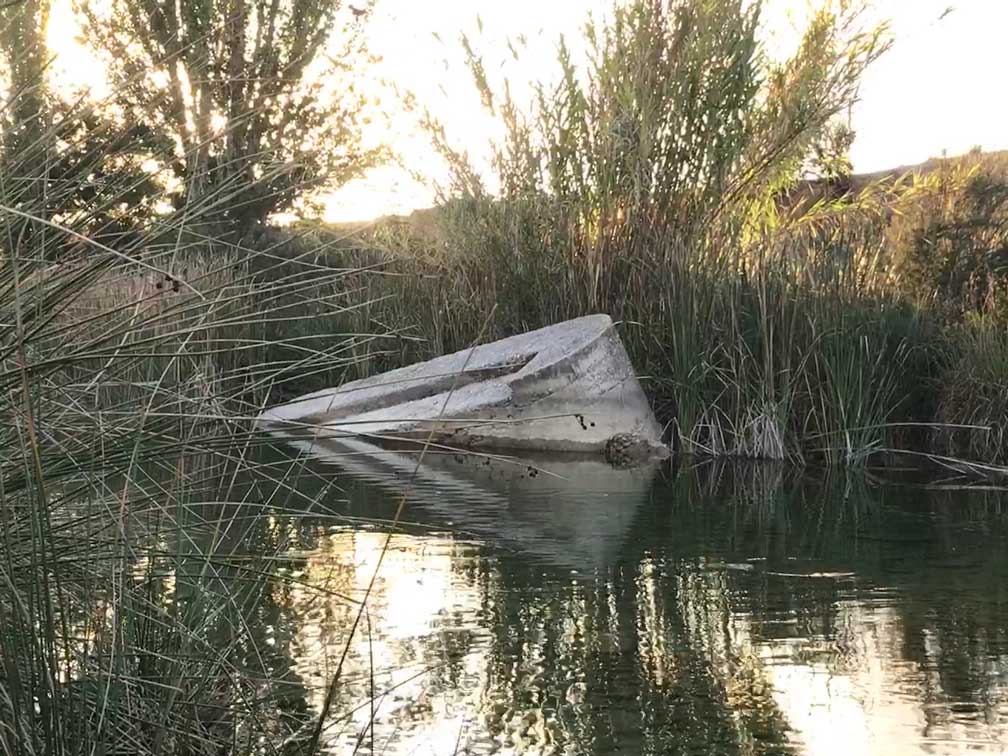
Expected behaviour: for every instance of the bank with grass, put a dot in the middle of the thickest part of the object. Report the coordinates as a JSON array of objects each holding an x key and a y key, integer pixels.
[
  {"x": 840, "y": 320},
  {"x": 143, "y": 543}
]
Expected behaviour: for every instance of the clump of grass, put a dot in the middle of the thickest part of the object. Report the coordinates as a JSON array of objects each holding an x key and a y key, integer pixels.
[
  {"x": 659, "y": 183},
  {"x": 134, "y": 615},
  {"x": 974, "y": 392},
  {"x": 949, "y": 236},
  {"x": 647, "y": 183}
]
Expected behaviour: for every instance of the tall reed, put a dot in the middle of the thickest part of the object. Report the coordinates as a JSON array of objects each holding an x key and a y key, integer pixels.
[
  {"x": 648, "y": 183},
  {"x": 139, "y": 569}
]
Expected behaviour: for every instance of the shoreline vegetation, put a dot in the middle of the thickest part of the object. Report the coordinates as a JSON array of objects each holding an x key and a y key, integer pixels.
[
  {"x": 838, "y": 320},
  {"x": 872, "y": 331},
  {"x": 149, "y": 312}
]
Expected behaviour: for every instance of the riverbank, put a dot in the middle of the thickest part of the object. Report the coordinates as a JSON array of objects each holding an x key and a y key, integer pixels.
[{"x": 830, "y": 338}]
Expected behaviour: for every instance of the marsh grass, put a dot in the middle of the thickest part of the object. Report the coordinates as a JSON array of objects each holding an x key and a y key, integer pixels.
[
  {"x": 141, "y": 572},
  {"x": 659, "y": 183},
  {"x": 974, "y": 397},
  {"x": 142, "y": 575},
  {"x": 647, "y": 184}
]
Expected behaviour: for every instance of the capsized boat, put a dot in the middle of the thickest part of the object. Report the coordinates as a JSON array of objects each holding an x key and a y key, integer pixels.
[{"x": 569, "y": 387}]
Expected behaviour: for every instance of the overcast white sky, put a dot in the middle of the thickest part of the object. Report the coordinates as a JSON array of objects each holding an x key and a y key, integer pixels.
[{"x": 941, "y": 87}]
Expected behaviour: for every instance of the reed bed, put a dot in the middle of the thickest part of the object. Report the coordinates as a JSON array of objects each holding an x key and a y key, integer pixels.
[
  {"x": 662, "y": 183},
  {"x": 142, "y": 571},
  {"x": 143, "y": 545}
]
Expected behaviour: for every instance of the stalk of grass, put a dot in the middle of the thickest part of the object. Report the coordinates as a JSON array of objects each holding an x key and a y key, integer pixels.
[
  {"x": 130, "y": 375},
  {"x": 974, "y": 392}
]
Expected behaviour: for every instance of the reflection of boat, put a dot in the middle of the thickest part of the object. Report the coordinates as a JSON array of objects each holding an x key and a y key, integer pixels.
[
  {"x": 568, "y": 387},
  {"x": 570, "y": 510}
]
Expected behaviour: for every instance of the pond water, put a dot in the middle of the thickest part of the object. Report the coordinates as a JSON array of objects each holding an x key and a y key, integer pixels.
[{"x": 567, "y": 607}]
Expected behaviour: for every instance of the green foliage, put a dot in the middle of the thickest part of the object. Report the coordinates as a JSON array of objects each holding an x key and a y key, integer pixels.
[
  {"x": 257, "y": 97},
  {"x": 949, "y": 239},
  {"x": 24, "y": 118},
  {"x": 770, "y": 318},
  {"x": 134, "y": 618},
  {"x": 974, "y": 391},
  {"x": 647, "y": 185},
  {"x": 830, "y": 155},
  {"x": 64, "y": 161},
  {"x": 96, "y": 178},
  {"x": 678, "y": 122},
  {"x": 23, "y": 28},
  {"x": 131, "y": 371}
]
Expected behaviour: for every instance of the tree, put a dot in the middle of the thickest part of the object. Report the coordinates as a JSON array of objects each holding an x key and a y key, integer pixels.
[
  {"x": 64, "y": 160},
  {"x": 255, "y": 94},
  {"x": 24, "y": 116},
  {"x": 22, "y": 43},
  {"x": 830, "y": 159},
  {"x": 96, "y": 180}
]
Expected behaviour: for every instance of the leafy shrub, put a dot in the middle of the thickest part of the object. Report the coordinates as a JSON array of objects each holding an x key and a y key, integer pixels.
[{"x": 949, "y": 238}]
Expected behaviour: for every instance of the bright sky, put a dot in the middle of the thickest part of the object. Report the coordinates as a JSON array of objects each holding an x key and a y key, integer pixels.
[{"x": 939, "y": 88}]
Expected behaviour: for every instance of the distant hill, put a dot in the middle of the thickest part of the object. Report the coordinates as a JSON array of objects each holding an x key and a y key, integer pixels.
[{"x": 997, "y": 157}]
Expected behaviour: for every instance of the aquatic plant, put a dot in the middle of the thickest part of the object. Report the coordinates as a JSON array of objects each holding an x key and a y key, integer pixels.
[
  {"x": 646, "y": 182},
  {"x": 771, "y": 316}
]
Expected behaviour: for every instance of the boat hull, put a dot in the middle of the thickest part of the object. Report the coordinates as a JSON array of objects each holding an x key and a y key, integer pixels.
[{"x": 567, "y": 387}]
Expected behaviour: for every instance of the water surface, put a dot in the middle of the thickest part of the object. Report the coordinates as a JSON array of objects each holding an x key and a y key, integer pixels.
[{"x": 570, "y": 608}]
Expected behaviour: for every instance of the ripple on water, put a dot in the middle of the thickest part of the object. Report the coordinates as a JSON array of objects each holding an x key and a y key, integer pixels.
[{"x": 684, "y": 616}]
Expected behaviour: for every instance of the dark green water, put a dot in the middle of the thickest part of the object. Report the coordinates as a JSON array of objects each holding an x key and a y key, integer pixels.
[{"x": 719, "y": 610}]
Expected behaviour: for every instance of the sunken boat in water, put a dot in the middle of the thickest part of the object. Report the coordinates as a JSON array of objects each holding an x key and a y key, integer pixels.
[{"x": 569, "y": 387}]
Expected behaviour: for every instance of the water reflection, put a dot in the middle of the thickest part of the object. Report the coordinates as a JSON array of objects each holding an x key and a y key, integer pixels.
[
  {"x": 568, "y": 510},
  {"x": 415, "y": 655},
  {"x": 728, "y": 610}
]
